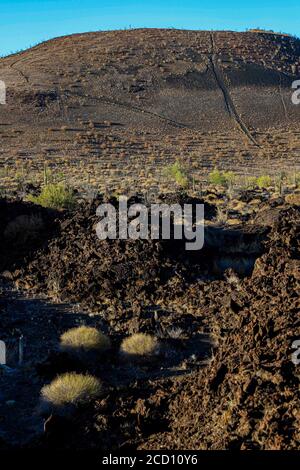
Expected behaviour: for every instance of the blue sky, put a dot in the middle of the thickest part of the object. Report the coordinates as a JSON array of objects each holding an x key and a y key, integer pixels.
[{"x": 26, "y": 22}]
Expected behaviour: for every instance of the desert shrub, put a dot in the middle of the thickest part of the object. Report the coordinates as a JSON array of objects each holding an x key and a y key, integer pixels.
[
  {"x": 264, "y": 181},
  {"x": 178, "y": 174},
  {"x": 229, "y": 176},
  {"x": 23, "y": 229},
  {"x": 84, "y": 338},
  {"x": 221, "y": 178},
  {"x": 216, "y": 177},
  {"x": 55, "y": 196},
  {"x": 71, "y": 389},
  {"x": 250, "y": 182},
  {"x": 139, "y": 345}
]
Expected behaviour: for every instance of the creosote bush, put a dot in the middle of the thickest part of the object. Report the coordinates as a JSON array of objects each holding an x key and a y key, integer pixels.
[
  {"x": 55, "y": 196},
  {"x": 221, "y": 178},
  {"x": 71, "y": 389},
  {"x": 250, "y": 182},
  {"x": 264, "y": 181},
  {"x": 177, "y": 173},
  {"x": 139, "y": 345},
  {"x": 84, "y": 339}
]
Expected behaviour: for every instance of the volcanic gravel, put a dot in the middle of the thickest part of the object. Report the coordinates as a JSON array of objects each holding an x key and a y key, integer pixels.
[{"x": 247, "y": 395}]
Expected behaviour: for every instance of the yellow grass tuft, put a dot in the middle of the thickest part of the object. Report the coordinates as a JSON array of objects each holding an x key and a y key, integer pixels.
[
  {"x": 71, "y": 389},
  {"x": 139, "y": 344},
  {"x": 84, "y": 338}
]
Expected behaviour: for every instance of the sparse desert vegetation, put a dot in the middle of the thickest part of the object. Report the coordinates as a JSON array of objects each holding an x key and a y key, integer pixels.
[
  {"x": 139, "y": 345},
  {"x": 204, "y": 300},
  {"x": 221, "y": 178},
  {"x": 71, "y": 389},
  {"x": 129, "y": 137},
  {"x": 177, "y": 174},
  {"x": 84, "y": 339},
  {"x": 55, "y": 196},
  {"x": 197, "y": 346}
]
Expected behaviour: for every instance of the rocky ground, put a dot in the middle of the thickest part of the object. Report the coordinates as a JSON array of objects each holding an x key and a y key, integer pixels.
[{"x": 226, "y": 319}]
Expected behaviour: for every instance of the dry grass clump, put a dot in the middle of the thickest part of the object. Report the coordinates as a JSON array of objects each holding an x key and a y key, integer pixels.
[
  {"x": 24, "y": 228},
  {"x": 139, "y": 345},
  {"x": 71, "y": 389},
  {"x": 222, "y": 215},
  {"x": 84, "y": 339},
  {"x": 293, "y": 199}
]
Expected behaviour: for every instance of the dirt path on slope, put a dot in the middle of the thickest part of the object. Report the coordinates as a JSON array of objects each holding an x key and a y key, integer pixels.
[
  {"x": 227, "y": 98},
  {"x": 13, "y": 66}
]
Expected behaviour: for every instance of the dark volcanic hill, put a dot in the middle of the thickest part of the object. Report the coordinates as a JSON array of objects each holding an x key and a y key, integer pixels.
[
  {"x": 179, "y": 75},
  {"x": 148, "y": 82}
]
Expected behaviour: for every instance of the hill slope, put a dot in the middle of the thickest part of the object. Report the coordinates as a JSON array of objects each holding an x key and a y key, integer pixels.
[{"x": 148, "y": 81}]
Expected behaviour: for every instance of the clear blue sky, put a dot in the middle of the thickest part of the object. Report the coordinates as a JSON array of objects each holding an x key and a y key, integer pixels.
[{"x": 26, "y": 22}]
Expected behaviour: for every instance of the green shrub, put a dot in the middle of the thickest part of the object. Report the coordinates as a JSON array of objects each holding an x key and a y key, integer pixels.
[
  {"x": 55, "y": 196},
  {"x": 229, "y": 177},
  {"x": 84, "y": 339},
  {"x": 216, "y": 178},
  {"x": 221, "y": 178},
  {"x": 250, "y": 182},
  {"x": 71, "y": 389},
  {"x": 264, "y": 181},
  {"x": 177, "y": 173}
]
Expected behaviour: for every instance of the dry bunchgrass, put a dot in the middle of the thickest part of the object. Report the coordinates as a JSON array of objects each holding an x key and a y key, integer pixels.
[
  {"x": 84, "y": 339},
  {"x": 222, "y": 215},
  {"x": 293, "y": 199},
  {"x": 139, "y": 345},
  {"x": 71, "y": 389}
]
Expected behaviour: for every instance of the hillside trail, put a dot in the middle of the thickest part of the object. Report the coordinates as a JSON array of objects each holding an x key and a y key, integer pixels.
[
  {"x": 232, "y": 111},
  {"x": 130, "y": 107},
  {"x": 284, "y": 106},
  {"x": 14, "y": 66}
]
